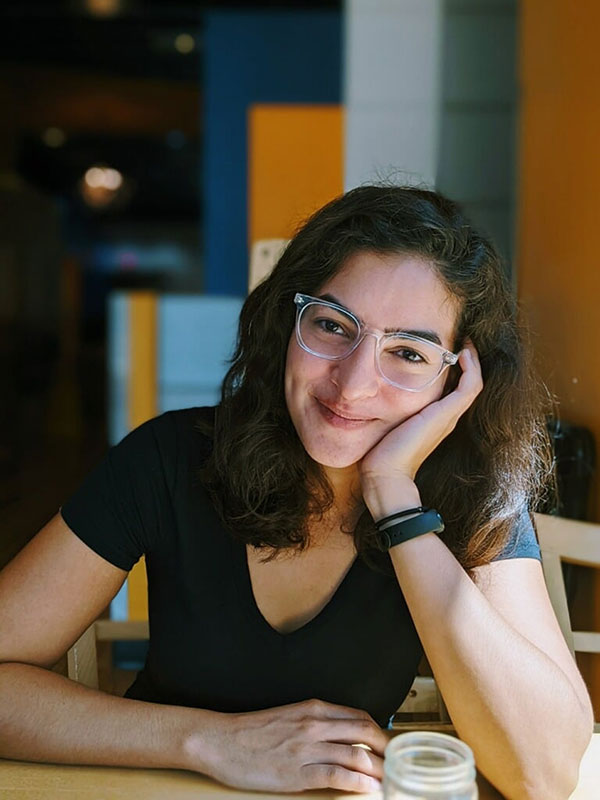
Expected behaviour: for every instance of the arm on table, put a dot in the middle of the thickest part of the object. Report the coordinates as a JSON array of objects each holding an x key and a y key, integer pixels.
[
  {"x": 508, "y": 679},
  {"x": 49, "y": 594}
]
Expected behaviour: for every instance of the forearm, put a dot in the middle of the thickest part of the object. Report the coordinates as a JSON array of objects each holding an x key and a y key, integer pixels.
[
  {"x": 47, "y": 717},
  {"x": 508, "y": 700}
]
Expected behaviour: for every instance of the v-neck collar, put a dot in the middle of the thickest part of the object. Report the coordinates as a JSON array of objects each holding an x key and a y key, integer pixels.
[{"x": 252, "y": 612}]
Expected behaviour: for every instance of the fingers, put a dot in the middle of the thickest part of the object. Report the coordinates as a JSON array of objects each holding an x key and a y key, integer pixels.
[
  {"x": 307, "y": 745},
  {"x": 349, "y": 732},
  {"x": 353, "y": 757},
  {"x": 471, "y": 381},
  {"x": 469, "y": 386},
  {"x": 324, "y": 710},
  {"x": 333, "y": 776}
]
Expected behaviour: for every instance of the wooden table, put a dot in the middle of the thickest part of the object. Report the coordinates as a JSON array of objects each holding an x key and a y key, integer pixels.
[{"x": 24, "y": 781}]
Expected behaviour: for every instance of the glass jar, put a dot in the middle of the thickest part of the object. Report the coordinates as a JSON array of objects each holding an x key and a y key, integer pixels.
[{"x": 429, "y": 766}]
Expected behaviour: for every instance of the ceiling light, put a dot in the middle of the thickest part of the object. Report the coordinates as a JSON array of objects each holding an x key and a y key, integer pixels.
[
  {"x": 101, "y": 185},
  {"x": 185, "y": 43},
  {"x": 54, "y": 137},
  {"x": 103, "y": 8}
]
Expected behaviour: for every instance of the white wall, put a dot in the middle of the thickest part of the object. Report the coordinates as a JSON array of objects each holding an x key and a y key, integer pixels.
[
  {"x": 392, "y": 90},
  {"x": 430, "y": 96}
]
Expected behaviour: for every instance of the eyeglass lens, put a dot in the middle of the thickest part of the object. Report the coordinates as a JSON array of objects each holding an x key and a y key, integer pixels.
[{"x": 332, "y": 333}]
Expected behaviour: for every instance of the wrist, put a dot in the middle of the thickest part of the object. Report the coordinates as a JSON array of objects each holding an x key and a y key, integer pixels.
[
  {"x": 385, "y": 496},
  {"x": 198, "y": 741},
  {"x": 403, "y": 528}
]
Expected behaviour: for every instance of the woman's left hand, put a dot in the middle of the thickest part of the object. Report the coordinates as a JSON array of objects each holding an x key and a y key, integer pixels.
[{"x": 403, "y": 449}]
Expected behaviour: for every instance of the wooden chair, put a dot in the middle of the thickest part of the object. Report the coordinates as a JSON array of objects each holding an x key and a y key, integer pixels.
[
  {"x": 423, "y": 708},
  {"x": 82, "y": 660},
  {"x": 572, "y": 542}
]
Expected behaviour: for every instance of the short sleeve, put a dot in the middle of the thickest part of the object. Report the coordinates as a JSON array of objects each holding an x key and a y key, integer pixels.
[
  {"x": 121, "y": 507},
  {"x": 523, "y": 542}
]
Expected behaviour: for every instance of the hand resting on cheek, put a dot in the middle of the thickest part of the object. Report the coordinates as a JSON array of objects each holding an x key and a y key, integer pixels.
[{"x": 400, "y": 453}]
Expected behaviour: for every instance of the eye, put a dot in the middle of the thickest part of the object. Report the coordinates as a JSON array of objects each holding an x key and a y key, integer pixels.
[
  {"x": 330, "y": 326},
  {"x": 408, "y": 354}
]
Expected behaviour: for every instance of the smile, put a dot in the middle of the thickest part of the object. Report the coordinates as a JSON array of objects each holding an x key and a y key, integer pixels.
[{"x": 339, "y": 421}]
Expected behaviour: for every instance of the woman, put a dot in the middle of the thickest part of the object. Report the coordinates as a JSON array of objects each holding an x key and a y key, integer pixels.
[{"x": 359, "y": 495}]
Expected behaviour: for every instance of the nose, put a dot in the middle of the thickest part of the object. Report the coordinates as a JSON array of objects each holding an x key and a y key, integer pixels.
[{"x": 356, "y": 375}]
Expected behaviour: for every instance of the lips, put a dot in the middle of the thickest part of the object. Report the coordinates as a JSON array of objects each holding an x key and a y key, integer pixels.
[{"x": 342, "y": 412}]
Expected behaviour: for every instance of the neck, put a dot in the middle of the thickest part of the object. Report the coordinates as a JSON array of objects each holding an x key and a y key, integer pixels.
[
  {"x": 345, "y": 482},
  {"x": 347, "y": 507}
]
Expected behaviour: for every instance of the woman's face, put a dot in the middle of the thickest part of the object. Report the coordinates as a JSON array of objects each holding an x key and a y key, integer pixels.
[{"x": 400, "y": 292}]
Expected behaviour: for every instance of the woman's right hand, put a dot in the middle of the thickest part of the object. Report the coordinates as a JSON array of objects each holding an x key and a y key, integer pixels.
[{"x": 307, "y": 745}]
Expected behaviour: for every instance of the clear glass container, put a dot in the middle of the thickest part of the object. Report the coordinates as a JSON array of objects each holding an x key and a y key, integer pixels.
[{"x": 429, "y": 766}]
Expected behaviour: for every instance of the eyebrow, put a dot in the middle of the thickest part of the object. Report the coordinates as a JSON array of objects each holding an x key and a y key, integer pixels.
[{"x": 430, "y": 335}]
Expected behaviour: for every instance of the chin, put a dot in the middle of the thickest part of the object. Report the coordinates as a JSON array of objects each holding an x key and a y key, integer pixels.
[
  {"x": 336, "y": 463},
  {"x": 334, "y": 459}
]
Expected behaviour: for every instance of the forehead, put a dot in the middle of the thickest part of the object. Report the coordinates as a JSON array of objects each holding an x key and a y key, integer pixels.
[{"x": 395, "y": 292}]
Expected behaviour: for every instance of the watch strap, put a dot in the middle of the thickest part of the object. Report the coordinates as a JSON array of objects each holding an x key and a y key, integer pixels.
[
  {"x": 408, "y": 512},
  {"x": 429, "y": 521}
]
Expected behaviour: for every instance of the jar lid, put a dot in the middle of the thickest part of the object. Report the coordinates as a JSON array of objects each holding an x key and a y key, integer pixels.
[{"x": 427, "y": 760}]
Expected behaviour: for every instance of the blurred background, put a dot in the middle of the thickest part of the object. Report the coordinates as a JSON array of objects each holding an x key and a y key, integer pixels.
[{"x": 154, "y": 156}]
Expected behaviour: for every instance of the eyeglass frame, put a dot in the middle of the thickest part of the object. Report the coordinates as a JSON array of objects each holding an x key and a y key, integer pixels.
[{"x": 303, "y": 301}]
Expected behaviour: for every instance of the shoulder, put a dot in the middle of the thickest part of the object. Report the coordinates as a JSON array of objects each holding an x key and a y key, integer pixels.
[
  {"x": 157, "y": 452},
  {"x": 177, "y": 421},
  {"x": 172, "y": 431},
  {"x": 124, "y": 506},
  {"x": 522, "y": 542}
]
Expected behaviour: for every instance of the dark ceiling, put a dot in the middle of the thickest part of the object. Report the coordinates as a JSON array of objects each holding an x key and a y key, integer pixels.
[
  {"x": 136, "y": 41},
  {"x": 119, "y": 89}
]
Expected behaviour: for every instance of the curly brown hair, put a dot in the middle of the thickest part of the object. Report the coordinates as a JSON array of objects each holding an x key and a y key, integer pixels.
[{"x": 497, "y": 461}]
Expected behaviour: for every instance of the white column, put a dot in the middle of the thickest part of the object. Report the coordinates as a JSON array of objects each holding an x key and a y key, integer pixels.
[{"x": 392, "y": 90}]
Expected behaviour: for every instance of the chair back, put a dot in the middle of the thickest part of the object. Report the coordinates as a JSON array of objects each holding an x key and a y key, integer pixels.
[
  {"x": 423, "y": 707},
  {"x": 82, "y": 657},
  {"x": 573, "y": 542}
]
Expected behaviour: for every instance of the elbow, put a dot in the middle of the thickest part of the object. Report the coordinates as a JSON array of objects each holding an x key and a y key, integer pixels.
[
  {"x": 545, "y": 781},
  {"x": 554, "y": 787},
  {"x": 557, "y": 780}
]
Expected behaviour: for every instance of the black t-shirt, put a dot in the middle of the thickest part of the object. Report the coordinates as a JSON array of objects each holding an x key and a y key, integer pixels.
[{"x": 210, "y": 647}]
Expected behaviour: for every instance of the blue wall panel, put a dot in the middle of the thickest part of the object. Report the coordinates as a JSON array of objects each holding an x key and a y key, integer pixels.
[
  {"x": 254, "y": 57},
  {"x": 197, "y": 339}
]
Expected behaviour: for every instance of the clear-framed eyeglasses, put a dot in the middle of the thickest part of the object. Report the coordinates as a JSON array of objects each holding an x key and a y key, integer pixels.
[{"x": 330, "y": 331}]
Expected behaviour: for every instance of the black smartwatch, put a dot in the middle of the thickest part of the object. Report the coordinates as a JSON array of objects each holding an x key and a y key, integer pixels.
[{"x": 426, "y": 521}]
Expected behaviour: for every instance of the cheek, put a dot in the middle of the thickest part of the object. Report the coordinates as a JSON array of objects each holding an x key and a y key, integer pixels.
[
  {"x": 288, "y": 369},
  {"x": 299, "y": 370},
  {"x": 302, "y": 368},
  {"x": 293, "y": 367},
  {"x": 406, "y": 404}
]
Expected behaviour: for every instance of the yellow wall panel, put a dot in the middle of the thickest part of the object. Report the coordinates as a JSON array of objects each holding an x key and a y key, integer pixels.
[
  {"x": 143, "y": 405},
  {"x": 295, "y": 162},
  {"x": 137, "y": 591},
  {"x": 143, "y": 361}
]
